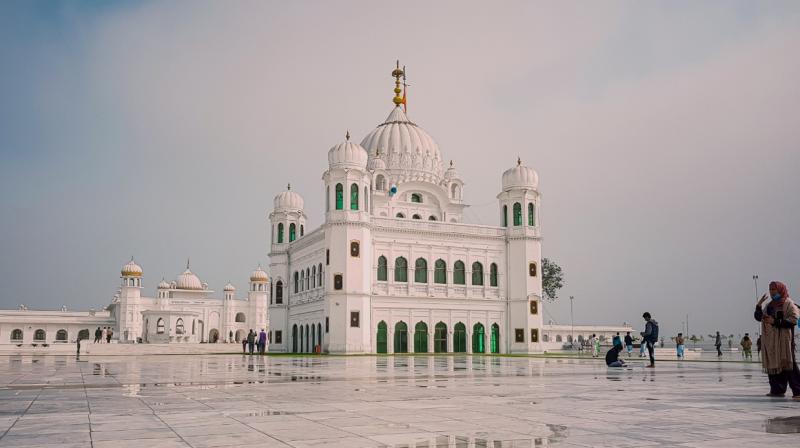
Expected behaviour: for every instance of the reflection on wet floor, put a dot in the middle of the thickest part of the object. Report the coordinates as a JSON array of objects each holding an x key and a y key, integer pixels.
[{"x": 783, "y": 425}]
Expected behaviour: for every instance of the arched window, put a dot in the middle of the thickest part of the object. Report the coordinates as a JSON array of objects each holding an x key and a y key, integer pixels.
[
  {"x": 400, "y": 270},
  {"x": 401, "y": 337},
  {"x": 505, "y": 216},
  {"x": 517, "y": 214},
  {"x": 440, "y": 272},
  {"x": 313, "y": 276},
  {"x": 327, "y": 198},
  {"x": 431, "y": 218},
  {"x": 302, "y": 230},
  {"x": 459, "y": 273},
  {"x": 494, "y": 342},
  {"x": 280, "y": 233},
  {"x": 292, "y": 232},
  {"x": 477, "y": 273},
  {"x": 416, "y": 197},
  {"x": 382, "y": 269},
  {"x": 380, "y": 182},
  {"x": 302, "y": 280},
  {"x": 16, "y": 335},
  {"x": 279, "y": 292},
  {"x": 421, "y": 271},
  {"x": 558, "y": 338},
  {"x": 440, "y": 338},
  {"x": 61, "y": 335},
  {"x": 545, "y": 338},
  {"x": 240, "y": 317},
  {"x": 193, "y": 325},
  {"x": 366, "y": 199},
  {"x": 421, "y": 338},
  {"x": 39, "y": 335},
  {"x": 400, "y": 215},
  {"x": 354, "y": 197},
  {"x": 460, "y": 338},
  {"x": 416, "y": 217},
  {"x": 179, "y": 326},
  {"x": 319, "y": 275},
  {"x": 382, "y": 337},
  {"x": 339, "y": 197},
  {"x": 308, "y": 278},
  {"x": 531, "y": 214},
  {"x": 296, "y": 282},
  {"x": 478, "y": 338},
  {"x": 160, "y": 326},
  {"x": 493, "y": 274}
]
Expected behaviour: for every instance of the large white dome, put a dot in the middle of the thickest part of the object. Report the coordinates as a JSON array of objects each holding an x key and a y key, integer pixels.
[
  {"x": 188, "y": 280},
  {"x": 409, "y": 152},
  {"x": 288, "y": 200},
  {"x": 520, "y": 176}
]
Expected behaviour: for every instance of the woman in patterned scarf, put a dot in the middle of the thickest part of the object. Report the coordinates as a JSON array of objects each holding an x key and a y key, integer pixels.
[{"x": 778, "y": 320}]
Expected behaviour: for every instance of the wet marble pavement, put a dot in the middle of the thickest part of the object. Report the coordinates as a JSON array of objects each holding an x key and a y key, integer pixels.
[{"x": 400, "y": 401}]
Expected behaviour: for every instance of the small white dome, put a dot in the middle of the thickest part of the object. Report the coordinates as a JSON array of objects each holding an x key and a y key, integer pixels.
[
  {"x": 520, "y": 176},
  {"x": 131, "y": 269},
  {"x": 348, "y": 155},
  {"x": 259, "y": 275},
  {"x": 187, "y": 280},
  {"x": 163, "y": 284},
  {"x": 451, "y": 172},
  {"x": 229, "y": 287},
  {"x": 376, "y": 163},
  {"x": 288, "y": 200}
]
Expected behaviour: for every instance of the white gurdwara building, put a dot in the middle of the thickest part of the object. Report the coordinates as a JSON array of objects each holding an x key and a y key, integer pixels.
[{"x": 394, "y": 268}]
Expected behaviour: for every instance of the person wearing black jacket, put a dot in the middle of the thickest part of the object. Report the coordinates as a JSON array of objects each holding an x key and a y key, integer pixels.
[
  {"x": 612, "y": 357},
  {"x": 650, "y": 336}
]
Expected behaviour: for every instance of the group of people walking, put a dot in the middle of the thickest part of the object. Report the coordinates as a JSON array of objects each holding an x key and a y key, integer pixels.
[
  {"x": 255, "y": 342},
  {"x": 103, "y": 335}
]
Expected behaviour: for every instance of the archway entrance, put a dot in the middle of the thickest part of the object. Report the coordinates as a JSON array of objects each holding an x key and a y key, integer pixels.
[
  {"x": 401, "y": 337},
  {"x": 294, "y": 338},
  {"x": 213, "y": 336},
  {"x": 83, "y": 334},
  {"x": 495, "y": 342},
  {"x": 421, "y": 338},
  {"x": 440, "y": 338},
  {"x": 240, "y": 335},
  {"x": 381, "y": 339},
  {"x": 478, "y": 338},
  {"x": 460, "y": 338}
]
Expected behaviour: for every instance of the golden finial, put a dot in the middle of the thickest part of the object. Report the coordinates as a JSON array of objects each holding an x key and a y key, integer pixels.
[
  {"x": 397, "y": 73},
  {"x": 347, "y": 136}
]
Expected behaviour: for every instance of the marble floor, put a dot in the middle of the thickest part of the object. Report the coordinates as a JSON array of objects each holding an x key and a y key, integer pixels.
[{"x": 396, "y": 401}]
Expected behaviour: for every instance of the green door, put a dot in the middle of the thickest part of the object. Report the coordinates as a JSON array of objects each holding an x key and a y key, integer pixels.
[
  {"x": 495, "y": 341},
  {"x": 401, "y": 337},
  {"x": 382, "y": 338},
  {"x": 478, "y": 338},
  {"x": 460, "y": 338},
  {"x": 440, "y": 338},
  {"x": 421, "y": 338}
]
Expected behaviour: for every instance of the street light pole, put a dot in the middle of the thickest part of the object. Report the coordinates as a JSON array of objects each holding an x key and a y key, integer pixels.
[
  {"x": 572, "y": 320},
  {"x": 755, "y": 284}
]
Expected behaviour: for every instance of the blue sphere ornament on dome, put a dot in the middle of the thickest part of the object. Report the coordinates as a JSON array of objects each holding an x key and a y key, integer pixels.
[{"x": 393, "y": 190}]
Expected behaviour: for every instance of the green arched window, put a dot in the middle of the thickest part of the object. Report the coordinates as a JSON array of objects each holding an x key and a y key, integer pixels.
[
  {"x": 280, "y": 232},
  {"x": 440, "y": 338},
  {"x": 400, "y": 270},
  {"x": 494, "y": 342},
  {"x": 459, "y": 273},
  {"x": 517, "y": 214},
  {"x": 421, "y": 338},
  {"x": 381, "y": 268},
  {"x": 460, "y": 338},
  {"x": 493, "y": 274},
  {"x": 401, "y": 337},
  {"x": 505, "y": 216},
  {"x": 416, "y": 197},
  {"x": 531, "y": 214},
  {"x": 339, "y": 197},
  {"x": 354, "y": 197},
  {"x": 477, "y": 273},
  {"x": 421, "y": 271},
  {"x": 440, "y": 272},
  {"x": 292, "y": 232},
  {"x": 382, "y": 337},
  {"x": 478, "y": 338}
]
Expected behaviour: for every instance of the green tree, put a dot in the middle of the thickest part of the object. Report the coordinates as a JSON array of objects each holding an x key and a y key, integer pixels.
[{"x": 552, "y": 279}]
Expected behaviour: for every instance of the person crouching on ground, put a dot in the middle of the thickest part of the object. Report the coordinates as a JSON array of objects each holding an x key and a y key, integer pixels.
[
  {"x": 612, "y": 357},
  {"x": 778, "y": 320},
  {"x": 650, "y": 336},
  {"x": 679, "y": 345}
]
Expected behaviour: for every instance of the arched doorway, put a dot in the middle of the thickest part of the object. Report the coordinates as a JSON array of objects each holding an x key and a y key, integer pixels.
[
  {"x": 83, "y": 334},
  {"x": 308, "y": 341},
  {"x": 294, "y": 338},
  {"x": 421, "y": 338},
  {"x": 460, "y": 338},
  {"x": 300, "y": 341},
  {"x": 478, "y": 338},
  {"x": 213, "y": 336},
  {"x": 200, "y": 329},
  {"x": 240, "y": 335},
  {"x": 319, "y": 335},
  {"x": 440, "y": 338},
  {"x": 382, "y": 337},
  {"x": 495, "y": 341},
  {"x": 401, "y": 337},
  {"x": 313, "y": 338}
]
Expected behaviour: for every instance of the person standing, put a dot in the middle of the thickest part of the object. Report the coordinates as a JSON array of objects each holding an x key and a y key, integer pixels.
[
  {"x": 103, "y": 333},
  {"x": 628, "y": 343},
  {"x": 758, "y": 346},
  {"x": 244, "y": 345},
  {"x": 679, "y": 344},
  {"x": 262, "y": 341},
  {"x": 109, "y": 333},
  {"x": 778, "y": 320},
  {"x": 251, "y": 340},
  {"x": 718, "y": 345},
  {"x": 650, "y": 337},
  {"x": 97, "y": 334},
  {"x": 617, "y": 340},
  {"x": 591, "y": 345},
  {"x": 747, "y": 347}
]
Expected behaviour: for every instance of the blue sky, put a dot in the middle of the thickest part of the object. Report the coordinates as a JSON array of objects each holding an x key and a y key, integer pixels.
[{"x": 665, "y": 135}]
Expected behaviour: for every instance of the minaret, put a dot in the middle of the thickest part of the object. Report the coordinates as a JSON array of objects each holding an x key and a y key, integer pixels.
[
  {"x": 519, "y": 205},
  {"x": 129, "y": 319},
  {"x": 257, "y": 299},
  {"x": 228, "y": 292}
]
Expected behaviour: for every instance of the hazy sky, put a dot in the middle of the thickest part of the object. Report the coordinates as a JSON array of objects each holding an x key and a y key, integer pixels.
[{"x": 666, "y": 137}]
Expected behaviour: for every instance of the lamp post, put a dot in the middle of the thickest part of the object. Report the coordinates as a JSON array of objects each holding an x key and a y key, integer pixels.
[
  {"x": 755, "y": 284},
  {"x": 571, "y": 320}
]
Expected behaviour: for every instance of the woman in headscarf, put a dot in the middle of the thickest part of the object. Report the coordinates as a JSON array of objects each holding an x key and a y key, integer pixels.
[{"x": 778, "y": 320}]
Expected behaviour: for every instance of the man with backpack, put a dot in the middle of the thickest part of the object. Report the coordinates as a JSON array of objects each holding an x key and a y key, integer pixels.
[{"x": 650, "y": 336}]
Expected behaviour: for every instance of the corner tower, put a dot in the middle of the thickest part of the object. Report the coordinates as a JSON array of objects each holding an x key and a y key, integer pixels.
[
  {"x": 129, "y": 320},
  {"x": 519, "y": 208}
]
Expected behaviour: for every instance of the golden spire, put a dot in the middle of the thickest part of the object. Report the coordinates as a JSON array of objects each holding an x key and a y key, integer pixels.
[{"x": 397, "y": 73}]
